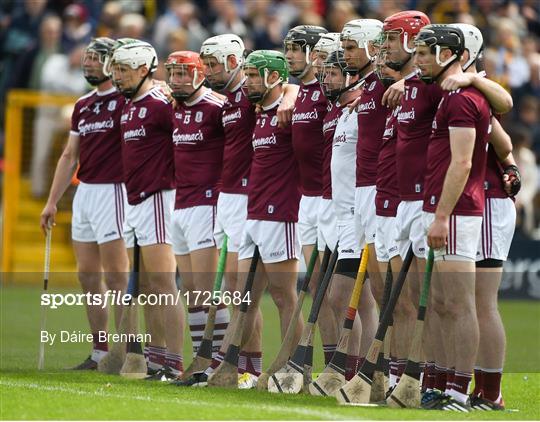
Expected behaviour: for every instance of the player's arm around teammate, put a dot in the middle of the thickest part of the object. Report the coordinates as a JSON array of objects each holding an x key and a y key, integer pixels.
[
  {"x": 147, "y": 154},
  {"x": 98, "y": 206}
]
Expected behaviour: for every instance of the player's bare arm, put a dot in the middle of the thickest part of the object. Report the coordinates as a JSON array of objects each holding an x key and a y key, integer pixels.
[
  {"x": 285, "y": 109},
  {"x": 392, "y": 96},
  {"x": 462, "y": 146},
  {"x": 62, "y": 178},
  {"x": 500, "y": 140},
  {"x": 499, "y": 99}
]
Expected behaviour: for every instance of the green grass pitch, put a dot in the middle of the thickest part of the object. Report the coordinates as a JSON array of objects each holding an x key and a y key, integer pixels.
[{"x": 55, "y": 393}]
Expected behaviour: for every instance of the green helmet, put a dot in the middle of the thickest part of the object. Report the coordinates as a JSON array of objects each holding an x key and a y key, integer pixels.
[{"x": 267, "y": 61}]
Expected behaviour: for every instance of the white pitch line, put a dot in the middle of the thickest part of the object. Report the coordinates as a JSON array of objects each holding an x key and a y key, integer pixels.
[{"x": 325, "y": 415}]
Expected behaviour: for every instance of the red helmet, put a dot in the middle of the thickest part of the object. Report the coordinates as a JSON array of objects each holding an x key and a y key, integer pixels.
[
  {"x": 408, "y": 23},
  {"x": 192, "y": 62}
]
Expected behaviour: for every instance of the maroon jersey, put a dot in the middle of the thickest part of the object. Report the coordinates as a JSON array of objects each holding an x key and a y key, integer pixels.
[
  {"x": 308, "y": 140},
  {"x": 147, "y": 151},
  {"x": 273, "y": 193},
  {"x": 198, "y": 140},
  {"x": 493, "y": 184},
  {"x": 371, "y": 120},
  {"x": 418, "y": 106},
  {"x": 96, "y": 121},
  {"x": 330, "y": 121},
  {"x": 238, "y": 122},
  {"x": 466, "y": 108},
  {"x": 387, "y": 198}
]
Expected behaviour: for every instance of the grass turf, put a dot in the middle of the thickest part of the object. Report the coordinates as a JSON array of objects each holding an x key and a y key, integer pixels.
[{"x": 54, "y": 393}]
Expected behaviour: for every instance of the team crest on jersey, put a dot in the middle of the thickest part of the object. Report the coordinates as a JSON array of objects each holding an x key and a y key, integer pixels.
[
  {"x": 238, "y": 97},
  {"x": 273, "y": 122},
  {"x": 142, "y": 113},
  {"x": 112, "y": 105},
  {"x": 372, "y": 86},
  {"x": 315, "y": 96},
  {"x": 199, "y": 116}
]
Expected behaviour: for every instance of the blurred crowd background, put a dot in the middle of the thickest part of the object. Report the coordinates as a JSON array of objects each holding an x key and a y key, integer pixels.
[{"x": 42, "y": 41}]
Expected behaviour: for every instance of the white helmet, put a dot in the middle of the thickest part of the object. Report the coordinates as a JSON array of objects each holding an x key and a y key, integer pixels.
[
  {"x": 362, "y": 31},
  {"x": 473, "y": 41},
  {"x": 328, "y": 43},
  {"x": 223, "y": 46},
  {"x": 135, "y": 55}
]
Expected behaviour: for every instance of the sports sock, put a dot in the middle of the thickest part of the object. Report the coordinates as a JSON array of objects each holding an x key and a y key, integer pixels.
[
  {"x": 450, "y": 375},
  {"x": 99, "y": 348},
  {"x": 328, "y": 350},
  {"x": 253, "y": 363},
  {"x": 440, "y": 377},
  {"x": 401, "y": 363},
  {"x": 392, "y": 380},
  {"x": 145, "y": 353},
  {"x": 174, "y": 362},
  {"x": 460, "y": 386},
  {"x": 478, "y": 381},
  {"x": 492, "y": 384},
  {"x": 220, "y": 326},
  {"x": 156, "y": 357},
  {"x": 216, "y": 361},
  {"x": 352, "y": 364},
  {"x": 197, "y": 321},
  {"x": 429, "y": 376}
]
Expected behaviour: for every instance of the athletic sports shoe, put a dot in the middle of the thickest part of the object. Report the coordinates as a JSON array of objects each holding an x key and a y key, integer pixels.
[
  {"x": 450, "y": 404},
  {"x": 196, "y": 380},
  {"x": 164, "y": 374},
  {"x": 87, "y": 365},
  {"x": 479, "y": 403},
  {"x": 431, "y": 398},
  {"x": 247, "y": 381}
]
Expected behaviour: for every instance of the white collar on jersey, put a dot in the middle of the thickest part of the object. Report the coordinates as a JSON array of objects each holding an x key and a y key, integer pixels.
[
  {"x": 199, "y": 98},
  {"x": 274, "y": 104},
  {"x": 140, "y": 97},
  {"x": 239, "y": 85},
  {"x": 313, "y": 81},
  {"x": 411, "y": 75},
  {"x": 107, "y": 92}
]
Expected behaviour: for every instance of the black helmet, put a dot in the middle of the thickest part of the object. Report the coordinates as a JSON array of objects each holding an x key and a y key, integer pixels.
[
  {"x": 304, "y": 35},
  {"x": 102, "y": 45},
  {"x": 336, "y": 59},
  {"x": 445, "y": 36},
  {"x": 437, "y": 37}
]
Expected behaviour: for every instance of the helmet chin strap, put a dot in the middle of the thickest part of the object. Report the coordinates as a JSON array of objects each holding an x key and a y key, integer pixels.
[
  {"x": 308, "y": 67},
  {"x": 233, "y": 75},
  {"x": 132, "y": 93},
  {"x": 429, "y": 80},
  {"x": 94, "y": 81},
  {"x": 358, "y": 71},
  {"x": 399, "y": 65}
]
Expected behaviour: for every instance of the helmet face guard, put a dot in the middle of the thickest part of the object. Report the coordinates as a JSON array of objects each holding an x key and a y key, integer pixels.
[
  {"x": 362, "y": 32},
  {"x": 185, "y": 74},
  {"x": 438, "y": 38},
  {"x": 94, "y": 58},
  {"x": 305, "y": 38},
  {"x": 383, "y": 71},
  {"x": 402, "y": 27},
  {"x": 221, "y": 47},
  {"x": 335, "y": 79},
  {"x": 264, "y": 62}
]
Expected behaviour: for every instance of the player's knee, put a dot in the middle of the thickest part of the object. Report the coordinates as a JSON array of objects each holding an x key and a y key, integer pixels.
[{"x": 283, "y": 299}]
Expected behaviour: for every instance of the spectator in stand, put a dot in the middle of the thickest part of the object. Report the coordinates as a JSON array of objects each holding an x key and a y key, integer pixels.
[
  {"x": 132, "y": 25},
  {"x": 228, "y": 21},
  {"x": 529, "y": 116},
  {"x": 61, "y": 74},
  {"x": 77, "y": 29},
  {"x": 109, "y": 19},
  {"x": 525, "y": 160}
]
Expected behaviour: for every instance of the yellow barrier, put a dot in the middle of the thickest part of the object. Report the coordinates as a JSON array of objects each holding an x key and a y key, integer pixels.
[{"x": 17, "y": 100}]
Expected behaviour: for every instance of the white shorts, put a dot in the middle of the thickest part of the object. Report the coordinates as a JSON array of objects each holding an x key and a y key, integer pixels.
[
  {"x": 386, "y": 246},
  {"x": 150, "y": 220},
  {"x": 498, "y": 225},
  {"x": 349, "y": 246},
  {"x": 193, "y": 229},
  {"x": 308, "y": 219},
  {"x": 326, "y": 226},
  {"x": 230, "y": 219},
  {"x": 98, "y": 212},
  {"x": 463, "y": 235},
  {"x": 277, "y": 241},
  {"x": 364, "y": 214},
  {"x": 410, "y": 229}
]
